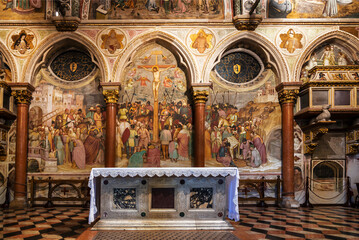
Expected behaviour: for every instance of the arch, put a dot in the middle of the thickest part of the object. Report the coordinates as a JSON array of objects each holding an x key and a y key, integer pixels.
[
  {"x": 273, "y": 57},
  {"x": 36, "y": 59},
  {"x": 10, "y": 61},
  {"x": 345, "y": 39},
  {"x": 174, "y": 45}
]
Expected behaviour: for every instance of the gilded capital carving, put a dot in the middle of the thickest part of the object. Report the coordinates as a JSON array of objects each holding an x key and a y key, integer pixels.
[
  {"x": 288, "y": 96},
  {"x": 200, "y": 96},
  {"x": 353, "y": 149},
  {"x": 22, "y": 96},
  {"x": 111, "y": 96},
  {"x": 309, "y": 148}
]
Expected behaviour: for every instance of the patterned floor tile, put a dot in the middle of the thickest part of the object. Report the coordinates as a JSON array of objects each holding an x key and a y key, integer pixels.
[{"x": 327, "y": 222}]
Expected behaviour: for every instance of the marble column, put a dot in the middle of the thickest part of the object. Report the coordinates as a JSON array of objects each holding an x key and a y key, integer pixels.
[
  {"x": 200, "y": 93},
  {"x": 110, "y": 92},
  {"x": 22, "y": 93},
  {"x": 287, "y": 94}
]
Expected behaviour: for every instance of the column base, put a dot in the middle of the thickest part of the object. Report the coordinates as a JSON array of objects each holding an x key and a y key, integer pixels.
[
  {"x": 18, "y": 203},
  {"x": 289, "y": 202}
]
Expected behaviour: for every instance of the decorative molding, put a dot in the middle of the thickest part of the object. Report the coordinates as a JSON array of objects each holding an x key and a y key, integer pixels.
[
  {"x": 318, "y": 132},
  {"x": 249, "y": 24},
  {"x": 329, "y": 84},
  {"x": 66, "y": 24},
  {"x": 334, "y": 68},
  {"x": 111, "y": 96},
  {"x": 353, "y": 149}
]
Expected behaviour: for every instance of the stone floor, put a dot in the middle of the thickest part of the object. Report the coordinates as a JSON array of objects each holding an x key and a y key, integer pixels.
[{"x": 329, "y": 222}]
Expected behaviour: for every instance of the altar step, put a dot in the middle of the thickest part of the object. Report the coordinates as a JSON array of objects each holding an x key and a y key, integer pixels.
[
  {"x": 160, "y": 224},
  {"x": 168, "y": 235}
]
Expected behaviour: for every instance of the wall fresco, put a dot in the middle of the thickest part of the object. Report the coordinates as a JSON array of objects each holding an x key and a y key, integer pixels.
[
  {"x": 22, "y": 10},
  {"x": 243, "y": 129},
  {"x": 313, "y": 9},
  {"x": 155, "y": 119},
  {"x": 66, "y": 128},
  {"x": 154, "y": 9}
]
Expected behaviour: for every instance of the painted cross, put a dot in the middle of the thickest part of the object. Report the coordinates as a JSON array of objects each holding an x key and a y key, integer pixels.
[{"x": 155, "y": 70}]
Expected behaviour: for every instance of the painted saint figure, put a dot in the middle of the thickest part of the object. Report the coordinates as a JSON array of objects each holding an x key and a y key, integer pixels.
[
  {"x": 112, "y": 43},
  {"x": 151, "y": 5},
  {"x": 183, "y": 143},
  {"x": 342, "y": 59},
  {"x": 330, "y": 8},
  {"x": 59, "y": 147},
  {"x": 200, "y": 43},
  {"x": 21, "y": 44},
  {"x": 98, "y": 118},
  {"x": 259, "y": 145},
  {"x": 328, "y": 56}
]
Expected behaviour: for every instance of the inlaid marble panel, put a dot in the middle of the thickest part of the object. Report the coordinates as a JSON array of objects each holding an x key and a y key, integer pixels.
[
  {"x": 201, "y": 198},
  {"x": 124, "y": 198}
]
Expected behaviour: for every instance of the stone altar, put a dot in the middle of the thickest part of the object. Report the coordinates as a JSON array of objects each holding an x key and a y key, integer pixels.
[{"x": 163, "y": 198}]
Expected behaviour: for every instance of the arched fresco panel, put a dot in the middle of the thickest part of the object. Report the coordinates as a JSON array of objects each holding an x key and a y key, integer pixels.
[
  {"x": 67, "y": 115},
  {"x": 240, "y": 121},
  {"x": 154, "y": 118}
]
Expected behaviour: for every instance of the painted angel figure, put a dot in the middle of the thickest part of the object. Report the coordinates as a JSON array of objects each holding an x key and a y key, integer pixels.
[
  {"x": 201, "y": 41},
  {"x": 291, "y": 41}
]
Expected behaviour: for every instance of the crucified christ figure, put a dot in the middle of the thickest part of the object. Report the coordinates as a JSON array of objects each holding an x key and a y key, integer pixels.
[{"x": 156, "y": 79}]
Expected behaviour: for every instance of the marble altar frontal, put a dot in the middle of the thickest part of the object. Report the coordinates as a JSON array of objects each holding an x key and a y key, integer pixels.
[{"x": 163, "y": 198}]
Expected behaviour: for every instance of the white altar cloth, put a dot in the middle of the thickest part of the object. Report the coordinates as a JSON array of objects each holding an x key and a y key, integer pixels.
[{"x": 230, "y": 173}]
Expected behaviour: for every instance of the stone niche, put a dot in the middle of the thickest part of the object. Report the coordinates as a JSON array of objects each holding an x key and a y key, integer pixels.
[{"x": 158, "y": 203}]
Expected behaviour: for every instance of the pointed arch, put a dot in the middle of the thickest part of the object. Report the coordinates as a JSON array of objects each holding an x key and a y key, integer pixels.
[
  {"x": 36, "y": 60},
  {"x": 174, "y": 45},
  {"x": 345, "y": 39},
  {"x": 274, "y": 58},
  {"x": 10, "y": 61}
]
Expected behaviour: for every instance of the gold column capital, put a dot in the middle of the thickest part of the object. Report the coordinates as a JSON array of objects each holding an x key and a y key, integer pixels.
[
  {"x": 111, "y": 96},
  {"x": 22, "y": 96},
  {"x": 200, "y": 96},
  {"x": 288, "y": 96},
  {"x": 22, "y": 92},
  {"x": 200, "y": 92},
  {"x": 111, "y": 91},
  {"x": 288, "y": 92}
]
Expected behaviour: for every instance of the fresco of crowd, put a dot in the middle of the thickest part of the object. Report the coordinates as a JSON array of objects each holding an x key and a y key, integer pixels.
[
  {"x": 230, "y": 134},
  {"x": 74, "y": 137},
  {"x": 77, "y": 139}
]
